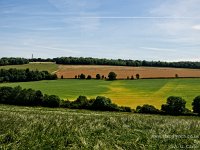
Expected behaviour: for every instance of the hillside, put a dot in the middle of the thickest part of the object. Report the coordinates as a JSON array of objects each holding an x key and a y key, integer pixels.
[
  {"x": 40, "y": 66},
  {"x": 45, "y": 128},
  {"x": 70, "y": 71},
  {"x": 123, "y": 92}
]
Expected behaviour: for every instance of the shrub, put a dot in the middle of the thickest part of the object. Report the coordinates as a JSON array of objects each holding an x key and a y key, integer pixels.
[
  {"x": 175, "y": 106},
  {"x": 148, "y": 109},
  {"x": 137, "y": 76},
  {"x": 89, "y": 77},
  {"x": 80, "y": 103},
  {"x": 112, "y": 76},
  {"x": 98, "y": 76},
  {"x": 125, "y": 109},
  {"x": 132, "y": 78},
  {"x": 38, "y": 98},
  {"x": 5, "y": 94},
  {"x": 51, "y": 101},
  {"x": 104, "y": 104},
  {"x": 196, "y": 105},
  {"x": 82, "y": 76},
  {"x": 65, "y": 104}
]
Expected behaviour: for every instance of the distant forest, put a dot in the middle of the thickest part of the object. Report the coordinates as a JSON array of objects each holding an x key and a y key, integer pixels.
[
  {"x": 13, "y": 61},
  {"x": 121, "y": 62},
  {"x": 97, "y": 61}
]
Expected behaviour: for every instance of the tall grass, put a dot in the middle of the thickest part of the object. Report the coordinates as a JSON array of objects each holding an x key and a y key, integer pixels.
[{"x": 45, "y": 128}]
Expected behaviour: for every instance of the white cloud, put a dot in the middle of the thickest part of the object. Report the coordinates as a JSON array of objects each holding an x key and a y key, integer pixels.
[
  {"x": 180, "y": 20},
  {"x": 159, "y": 49},
  {"x": 196, "y": 27}
]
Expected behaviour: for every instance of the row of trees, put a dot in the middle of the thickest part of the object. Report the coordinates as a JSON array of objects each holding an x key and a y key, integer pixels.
[
  {"x": 120, "y": 62},
  {"x": 30, "y": 97},
  {"x": 111, "y": 76},
  {"x": 13, "y": 61},
  {"x": 174, "y": 106},
  {"x": 22, "y": 75},
  {"x": 27, "y": 97},
  {"x": 98, "y": 61}
]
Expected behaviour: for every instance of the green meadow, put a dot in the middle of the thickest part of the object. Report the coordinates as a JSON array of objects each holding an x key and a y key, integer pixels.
[
  {"x": 40, "y": 66},
  {"x": 123, "y": 92},
  {"x": 45, "y": 128}
]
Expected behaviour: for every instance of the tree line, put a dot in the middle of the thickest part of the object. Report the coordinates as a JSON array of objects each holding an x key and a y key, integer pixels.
[
  {"x": 174, "y": 106},
  {"x": 101, "y": 61},
  {"x": 111, "y": 76},
  {"x": 13, "y": 61},
  {"x": 121, "y": 62},
  {"x": 29, "y": 97},
  {"x": 22, "y": 75}
]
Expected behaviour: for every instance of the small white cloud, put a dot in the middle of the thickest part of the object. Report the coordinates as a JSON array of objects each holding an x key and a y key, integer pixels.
[{"x": 196, "y": 27}]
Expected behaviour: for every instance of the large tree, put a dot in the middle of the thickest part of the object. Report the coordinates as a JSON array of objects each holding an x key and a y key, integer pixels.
[
  {"x": 174, "y": 106},
  {"x": 112, "y": 76},
  {"x": 196, "y": 105}
]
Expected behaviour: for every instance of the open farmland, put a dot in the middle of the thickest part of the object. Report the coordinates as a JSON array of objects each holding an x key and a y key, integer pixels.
[
  {"x": 69, "y": 71},
  {"x": 40, "y": 66},
  {"x": 44, "y": 128},
  {"x": 123, "y": 92}
]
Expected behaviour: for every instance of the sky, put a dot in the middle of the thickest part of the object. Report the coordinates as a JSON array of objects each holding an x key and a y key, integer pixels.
[{"x": 165, "y": 30}]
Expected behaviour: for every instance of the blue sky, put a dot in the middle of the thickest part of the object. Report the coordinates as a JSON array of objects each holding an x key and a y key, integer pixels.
[{"x": 167, "y": 30}]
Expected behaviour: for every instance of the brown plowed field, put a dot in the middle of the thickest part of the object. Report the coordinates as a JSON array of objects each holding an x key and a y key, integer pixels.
[{"x": 69, "y": 71}]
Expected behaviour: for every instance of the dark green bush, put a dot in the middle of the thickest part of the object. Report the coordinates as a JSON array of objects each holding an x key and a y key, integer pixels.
[
  {"x": 98, "y": 76},
  {"x": 112, "y": 76},
  {"x": 82, "y": 76},
  {"x": 147, "y": 109},
  {"x": 174, "y": 106},
  {"x": 89, "y": 77},
  {"x": 196, "y": 105},
  {"x": 104, "y": 104},
  {"x": 80, "y": 103},
  {"x": 22, "y": 75},
  {"x": 51, "y": 101}
]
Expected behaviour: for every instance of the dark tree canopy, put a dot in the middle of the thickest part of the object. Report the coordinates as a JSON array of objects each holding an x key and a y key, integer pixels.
[
  {"x": 22, "y": 75},
  {"x": 148, "y": 109},
  {"x": 196, "y": 105},
  {"x": 174, "y": 106},
  {"x": 112, "y": 76},
  {"x": 13, "y": 61},
  {"x": 121, "y": 62},
  {"x": 98, "y": 76},
  {"x": 82, "y": 76}
]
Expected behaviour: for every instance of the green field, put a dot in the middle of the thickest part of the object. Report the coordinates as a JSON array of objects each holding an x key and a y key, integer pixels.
[
  {"x": 44, "y": 128},
  {"x": 50, "y": 67},
  {"x": 123, "y": 92}
]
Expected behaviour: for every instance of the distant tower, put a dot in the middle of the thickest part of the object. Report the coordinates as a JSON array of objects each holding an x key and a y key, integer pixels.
[{"x": 32, "y": 56}]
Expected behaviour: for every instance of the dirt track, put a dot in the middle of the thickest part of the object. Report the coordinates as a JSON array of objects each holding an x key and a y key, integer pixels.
[{"x": 69, "y": 71}]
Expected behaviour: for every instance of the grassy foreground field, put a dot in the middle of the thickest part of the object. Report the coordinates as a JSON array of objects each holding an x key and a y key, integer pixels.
[
  {"x": 123, "y": 92},
  {"x": 44, "y": 128}
]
